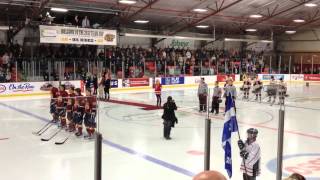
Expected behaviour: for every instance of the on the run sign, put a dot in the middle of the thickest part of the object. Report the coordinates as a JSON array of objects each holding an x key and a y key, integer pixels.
[{"x": 74, "y": 35}]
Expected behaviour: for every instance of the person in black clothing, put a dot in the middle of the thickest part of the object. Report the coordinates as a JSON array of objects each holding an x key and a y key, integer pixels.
[
  {"x": 169, "y": 117},
  {"x": 95, "y": 84},
  {"x": 107, "y": 85}
]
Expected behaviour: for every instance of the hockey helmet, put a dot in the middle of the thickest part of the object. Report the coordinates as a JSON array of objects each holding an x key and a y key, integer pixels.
[
  {"x": 169, "y": 98},
  {"x": 252, "y": 131}
]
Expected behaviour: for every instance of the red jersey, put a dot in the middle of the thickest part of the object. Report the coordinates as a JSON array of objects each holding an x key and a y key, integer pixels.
[
  {"x": 54, "y": 92},
  {"x": 63, "y": 94},
  {"x": 69, "y": 107},
  {"x": 60, "y": 104},
  {"x": 157, "y": 88}
]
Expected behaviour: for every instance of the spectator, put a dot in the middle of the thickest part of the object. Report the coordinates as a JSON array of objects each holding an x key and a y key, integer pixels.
[
  {"x": 209, "y": 175},
  {"x": 85, "y": 22},
  {"x": 295, "y": 176},
  {"x": 76, "y": 21}
]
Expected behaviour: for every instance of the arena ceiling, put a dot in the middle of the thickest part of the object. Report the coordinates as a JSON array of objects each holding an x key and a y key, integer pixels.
[{"x": 173, "y": 16}]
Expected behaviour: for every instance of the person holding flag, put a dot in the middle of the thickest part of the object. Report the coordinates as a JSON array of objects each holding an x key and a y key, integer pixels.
[
  {"x": 250, "y": 153},
  {"x": 230, "y": 125}
]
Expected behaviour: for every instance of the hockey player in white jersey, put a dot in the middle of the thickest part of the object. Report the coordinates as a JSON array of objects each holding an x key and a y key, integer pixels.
[
  {"x": 250, "y": 153},
  {"x": 282, "y": 89},
  {"x": 257, "y": 88}
]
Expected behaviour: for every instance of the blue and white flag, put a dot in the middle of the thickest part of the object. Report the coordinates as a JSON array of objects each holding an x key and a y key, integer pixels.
[{"x": 230, "y": 125}]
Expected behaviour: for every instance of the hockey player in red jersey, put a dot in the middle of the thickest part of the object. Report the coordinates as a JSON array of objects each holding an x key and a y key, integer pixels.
[
  {"x": 90, "y": 114},
  {"x": 69, "y": 108},
  {"x": 61, "y": 111},
  {"x": 80, "y": 101},
  {"x": 54, "y": 94}
]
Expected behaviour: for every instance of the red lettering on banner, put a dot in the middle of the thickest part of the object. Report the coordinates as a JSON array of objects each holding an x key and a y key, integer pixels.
[
  {"x": 135, "y": 82},
  {"x": 312, "y": 77},
  {"x": 222, "y": 78}
]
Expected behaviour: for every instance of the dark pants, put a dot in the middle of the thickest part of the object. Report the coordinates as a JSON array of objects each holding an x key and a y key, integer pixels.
[
  {"x": 167, "y": 128},
  {"x": 215, "y": 105},
  {"x": 247, "y": 177},
  {"x": 158, "y": 99},
  {"x": 107, "y": 93},
  {"x": 203, "y": 102}
]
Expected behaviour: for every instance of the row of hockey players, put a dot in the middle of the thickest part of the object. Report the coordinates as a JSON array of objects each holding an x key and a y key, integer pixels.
[
  {"x": 273, "y": 88},
  {"x": 71, "y": 109}
]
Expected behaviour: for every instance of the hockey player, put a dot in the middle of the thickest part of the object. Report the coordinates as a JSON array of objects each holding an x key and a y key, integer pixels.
[
  {"x": 250, "y": 153},
  {"x": 246, "y": 88},
  {"x": 69, "y": 109},
  {"x": 90, "y": 114},
  {"x": 272, "y": 89},
  {"x": 54, "y": 94},
  {"x": 79, "y": 109},
  {"x": 257, "y": 88},
  {"x": 282, "y": 88},
  {"x": 61, "y": 111}
]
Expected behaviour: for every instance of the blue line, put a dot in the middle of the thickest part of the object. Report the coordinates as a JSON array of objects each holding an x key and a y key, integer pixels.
[{"x": 119, "y": 147}]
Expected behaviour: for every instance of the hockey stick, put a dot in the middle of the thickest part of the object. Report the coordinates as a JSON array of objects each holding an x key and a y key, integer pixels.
[
  {"x": 43, "y": 128},
  {"x": 39, "y": 134},
  {"x": 48, "y": 139},
  {"x": 62, "y": 142}
]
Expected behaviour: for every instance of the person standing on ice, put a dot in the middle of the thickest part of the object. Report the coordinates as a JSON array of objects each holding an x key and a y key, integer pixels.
[
  {"x": 202, "y": 94},
  {"x": 157, "y": 90},
  {"x": 230, "y": 89},
  {"x": 216, "y": 98},
  {"x": 250, "y": 154},
  {"x": 169, "y": 117}
]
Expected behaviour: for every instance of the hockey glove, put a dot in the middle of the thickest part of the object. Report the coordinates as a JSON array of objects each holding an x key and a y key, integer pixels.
[
  {"x": 241, "y": 144},
  {"x": 244, "y": 154}
]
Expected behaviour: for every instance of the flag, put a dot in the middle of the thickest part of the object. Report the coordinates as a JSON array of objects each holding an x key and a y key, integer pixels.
[{"x": 230, "y": 125}]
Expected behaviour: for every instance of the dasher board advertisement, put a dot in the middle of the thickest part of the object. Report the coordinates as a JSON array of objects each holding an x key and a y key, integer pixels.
[{"x": 74, "y": 35}]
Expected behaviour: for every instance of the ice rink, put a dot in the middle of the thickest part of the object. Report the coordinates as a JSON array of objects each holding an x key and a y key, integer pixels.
[{"x": 133, "y": 146}]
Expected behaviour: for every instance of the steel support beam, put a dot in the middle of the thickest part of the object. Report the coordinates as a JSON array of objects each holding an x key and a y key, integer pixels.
[
  {"x": 152, "y": 2},
  {"x": 277, "y": 14},
  {"x": 205, "y": 17}
]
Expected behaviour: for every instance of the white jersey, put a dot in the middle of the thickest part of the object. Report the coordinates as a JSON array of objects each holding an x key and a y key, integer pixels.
[
  {"x": 252, "y": 163},
  {"x": 282, "y": 86}
]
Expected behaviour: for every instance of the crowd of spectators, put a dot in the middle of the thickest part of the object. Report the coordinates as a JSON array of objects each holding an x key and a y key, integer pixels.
[
  {"x": 139, "y": 62},
  {"x": 7, "y": 54}
]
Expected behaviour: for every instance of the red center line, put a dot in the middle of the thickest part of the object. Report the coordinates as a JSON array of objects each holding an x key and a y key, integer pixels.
[{"x": 262, "y": 126}]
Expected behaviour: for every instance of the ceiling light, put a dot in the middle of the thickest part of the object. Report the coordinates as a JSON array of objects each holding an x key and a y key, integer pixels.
[
  {"x": 127, "y": 1},
  {"x": 59, "y": 9},
  {"x": 290, "y": 32},
  {"x": 255, "y": 16},
  {"x": 247, "y": 40},
  {"x": 5, "y": 28},
  {"x": 299, "y": 20},
  {"x": 200, "y": 10},
  {"x": 310, "y": 5},
  {"x": 164, "y": 36},
  {"x": 141, "y": 21},
  {"x": 202, "y": 26},
  {"x": 251, "y": 30}
]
